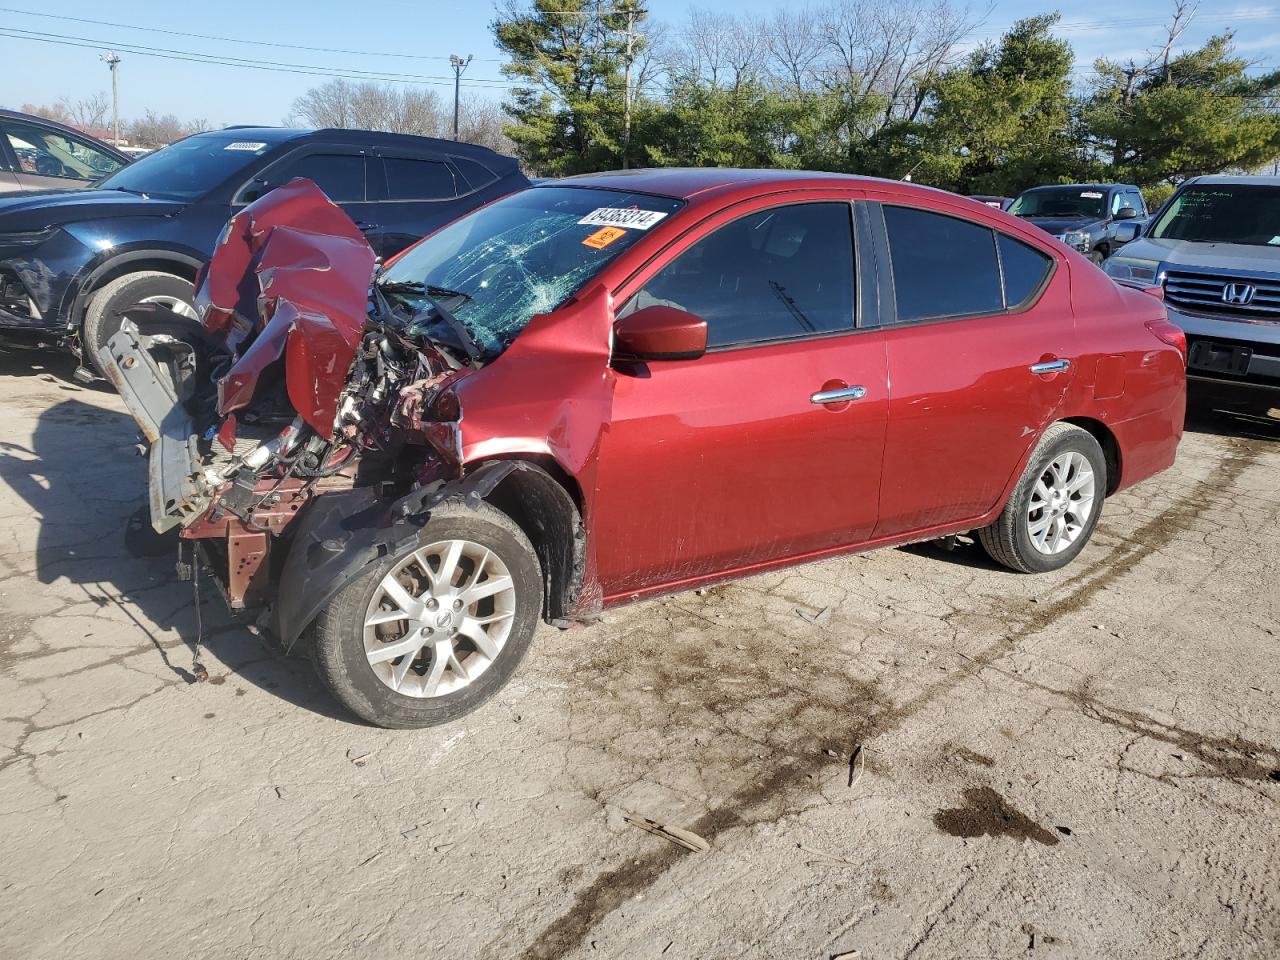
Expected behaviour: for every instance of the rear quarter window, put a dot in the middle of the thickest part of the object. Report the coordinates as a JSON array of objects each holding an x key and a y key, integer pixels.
[{"x": 1024, "y": 269}]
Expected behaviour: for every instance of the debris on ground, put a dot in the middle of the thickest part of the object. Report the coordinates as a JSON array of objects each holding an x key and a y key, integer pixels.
[
  {"x": 815, "y": 617},
  {"x": 683, "y": 838},
  {"x": 857, "y": 764}
]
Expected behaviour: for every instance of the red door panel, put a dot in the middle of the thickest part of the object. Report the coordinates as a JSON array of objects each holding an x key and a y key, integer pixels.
[
  {"x": 964, "y": 408},
  {"x": 723, "y": 462}
]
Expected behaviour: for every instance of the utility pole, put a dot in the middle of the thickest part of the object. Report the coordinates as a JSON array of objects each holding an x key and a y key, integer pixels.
[
  {"x": 626, "y": 95},
  {"x": 458, "y": 65},
  {"x": 111, "y": 59}
]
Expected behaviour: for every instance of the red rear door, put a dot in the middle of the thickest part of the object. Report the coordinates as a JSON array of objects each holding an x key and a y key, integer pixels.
[
  {"x": 981, "y": 350},
  {"x": 745, "y": 455}
]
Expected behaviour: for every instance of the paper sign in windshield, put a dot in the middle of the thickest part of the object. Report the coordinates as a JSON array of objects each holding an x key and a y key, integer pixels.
[
  {"x": 1092, "y": 195},
  {"x": 626, "y": 219},
  {"x": 250, "y": 145}
]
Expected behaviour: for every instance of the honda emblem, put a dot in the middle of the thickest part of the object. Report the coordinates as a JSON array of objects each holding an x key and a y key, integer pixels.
[{"x": 1238, "y": 294}]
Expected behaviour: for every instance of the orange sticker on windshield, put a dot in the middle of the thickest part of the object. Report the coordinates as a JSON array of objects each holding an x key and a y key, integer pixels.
[{"x": 603, "y": 237}]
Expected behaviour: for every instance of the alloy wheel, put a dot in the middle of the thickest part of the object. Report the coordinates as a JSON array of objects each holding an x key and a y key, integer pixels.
[
  {"x": 439, "y": 618},
  {"x": 1061, "y": 503},
  {"x": 176, "y": 304}
]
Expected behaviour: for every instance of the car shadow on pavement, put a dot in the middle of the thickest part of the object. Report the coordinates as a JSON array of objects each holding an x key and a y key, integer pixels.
[
  {"x": 83, "y": 482},
  {"x": 1223, "y": 416}
]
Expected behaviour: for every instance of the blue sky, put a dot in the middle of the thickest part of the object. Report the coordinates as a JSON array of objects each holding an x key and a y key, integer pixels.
[{"x": 416, "y": 39}]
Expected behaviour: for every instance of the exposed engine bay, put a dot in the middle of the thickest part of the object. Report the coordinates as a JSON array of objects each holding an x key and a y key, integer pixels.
[{"x": 310, "y": 380}]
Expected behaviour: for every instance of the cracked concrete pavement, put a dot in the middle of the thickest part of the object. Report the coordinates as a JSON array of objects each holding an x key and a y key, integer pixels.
[{"x": 1084, "y": 764}]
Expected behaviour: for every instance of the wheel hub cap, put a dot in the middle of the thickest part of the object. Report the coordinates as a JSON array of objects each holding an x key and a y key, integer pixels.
[
  {"x": 1061, "y": 503},
  {"x": 439, "y": 618}
]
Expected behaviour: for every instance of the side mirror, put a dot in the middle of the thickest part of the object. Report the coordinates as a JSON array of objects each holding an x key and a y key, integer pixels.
[
  {"x": 660, "y": 333},
  {"x": 1125, "y": 213},
  {"x": 1126, "y": 232}
]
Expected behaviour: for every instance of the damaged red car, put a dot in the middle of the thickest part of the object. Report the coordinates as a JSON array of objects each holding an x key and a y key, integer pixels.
[{"x": 612, "y": 386}]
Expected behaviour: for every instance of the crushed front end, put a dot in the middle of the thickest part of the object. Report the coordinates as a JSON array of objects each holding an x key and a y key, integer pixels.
[{"x": 301, "y": 381}]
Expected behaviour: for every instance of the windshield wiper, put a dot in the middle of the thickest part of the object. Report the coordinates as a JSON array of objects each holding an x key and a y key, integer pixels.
[{"x": 430, "y": 290}]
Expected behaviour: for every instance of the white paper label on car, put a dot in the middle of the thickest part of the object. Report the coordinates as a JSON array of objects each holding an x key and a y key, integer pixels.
[
  {"x": 626, "y": 219},
  {"x": 250, "y": 145},
  {"x": 1092, "y": 195}
]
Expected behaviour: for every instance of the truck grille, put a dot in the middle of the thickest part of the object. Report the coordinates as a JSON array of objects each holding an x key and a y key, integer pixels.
[{"x": 1206, "y": 292}]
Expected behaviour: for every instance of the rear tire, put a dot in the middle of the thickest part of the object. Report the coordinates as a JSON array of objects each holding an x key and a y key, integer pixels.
[
  {"x": 460, "y": 655},
  {"x": 1055, "y": 507},
  {"x": 103, "y": 315}
]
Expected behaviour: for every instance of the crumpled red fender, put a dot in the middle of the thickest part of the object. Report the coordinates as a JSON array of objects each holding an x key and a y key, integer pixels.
[{"x": 289, "y": 278}]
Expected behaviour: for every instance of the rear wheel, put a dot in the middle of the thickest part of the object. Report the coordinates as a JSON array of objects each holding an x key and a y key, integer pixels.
[
  {"x": 431, "y": 633},
  {"x": 1053, "y": 511},
  {"x": 106, "y": 306}
]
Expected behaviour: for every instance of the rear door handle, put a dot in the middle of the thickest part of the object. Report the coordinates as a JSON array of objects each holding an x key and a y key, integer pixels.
[
  {"x": 1051, "y": 366},
  {"x": 842, "y": 395}
]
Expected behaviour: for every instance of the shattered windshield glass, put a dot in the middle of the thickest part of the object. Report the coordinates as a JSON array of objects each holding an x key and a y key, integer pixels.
[{"x": 526, "y": 254}]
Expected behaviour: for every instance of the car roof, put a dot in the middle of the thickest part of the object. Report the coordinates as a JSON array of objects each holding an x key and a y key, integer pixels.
[
  {"x": 1081, "y": 186},
  {"x": 276, "y": 135},
  {"x": 688, "y": 182},
  {"x": 1222, "y": 180},
  {"x": 64, "y": 128}
]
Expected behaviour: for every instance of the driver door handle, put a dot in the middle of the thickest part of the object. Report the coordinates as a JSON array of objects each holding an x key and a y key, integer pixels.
[
  {"x": 843, "y": 395},
  {"x": 1051, "y": 366}
]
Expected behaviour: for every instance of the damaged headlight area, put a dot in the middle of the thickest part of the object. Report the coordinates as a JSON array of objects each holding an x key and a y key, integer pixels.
[{"x": 300, "y": 379}]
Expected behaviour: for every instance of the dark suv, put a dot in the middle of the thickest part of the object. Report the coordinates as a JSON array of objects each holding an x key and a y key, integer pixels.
[
  {"x": 1094, "y": 218},
  {"x": 71, "y": 261}
]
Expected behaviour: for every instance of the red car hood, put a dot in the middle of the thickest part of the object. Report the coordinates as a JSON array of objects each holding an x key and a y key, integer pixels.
[{"x": 288, "y": 279}]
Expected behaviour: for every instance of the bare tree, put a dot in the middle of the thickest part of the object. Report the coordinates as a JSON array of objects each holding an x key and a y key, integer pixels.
[
  {"x": 481, "y": 121},
  {"x": 893, "y": 50},
  {"x": 794, "y": 47},
  {"x": 153, "y": 130},
  {"x": 89, "y": 113},
  {"x": 56, "y": 112},
  {"x": 372, "y": 106}
]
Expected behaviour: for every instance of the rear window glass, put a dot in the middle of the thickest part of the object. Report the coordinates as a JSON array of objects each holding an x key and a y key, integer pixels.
[{"x": 942, "y": 266}]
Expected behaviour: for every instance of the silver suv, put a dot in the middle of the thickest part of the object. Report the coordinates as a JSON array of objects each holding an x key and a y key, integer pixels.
[{"x": 1215, "y": 248}]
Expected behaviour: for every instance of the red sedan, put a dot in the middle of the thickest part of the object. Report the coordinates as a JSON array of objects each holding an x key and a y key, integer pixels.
[{"x": 613, "y": 386}]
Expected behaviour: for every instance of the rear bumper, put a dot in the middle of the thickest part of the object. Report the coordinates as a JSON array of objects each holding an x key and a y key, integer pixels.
[
  {"x": 1229, "y": 352},
  {"x": 1149, "y": 444}
]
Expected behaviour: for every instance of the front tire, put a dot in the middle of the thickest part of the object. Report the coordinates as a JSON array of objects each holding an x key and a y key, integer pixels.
[
  {"x": 106, "y": 307},
  {"x": 431, "y": 633},
  {"x": 1055, "y": 507}
]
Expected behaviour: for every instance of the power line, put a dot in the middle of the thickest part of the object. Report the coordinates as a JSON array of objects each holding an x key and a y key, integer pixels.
[
  {"x": 256, "y": 43},
  {"x": 304, "y": 70}
]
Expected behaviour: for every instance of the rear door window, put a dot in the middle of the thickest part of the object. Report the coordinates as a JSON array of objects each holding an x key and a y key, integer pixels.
[
  {"x": 416, "y": 179},
  {"x": 779, "y": 274},
  {"x": 943, "y": 266},
  {"x": 339, "y": 175}
]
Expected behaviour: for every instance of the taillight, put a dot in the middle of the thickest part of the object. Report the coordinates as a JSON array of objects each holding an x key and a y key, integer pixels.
[{"x": 1169, "y": 333}]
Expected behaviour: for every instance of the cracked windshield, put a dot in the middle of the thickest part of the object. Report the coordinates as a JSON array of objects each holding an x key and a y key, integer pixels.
[{"x": 527, "y": 254}]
